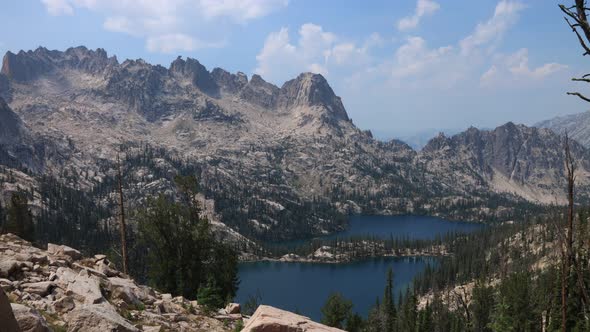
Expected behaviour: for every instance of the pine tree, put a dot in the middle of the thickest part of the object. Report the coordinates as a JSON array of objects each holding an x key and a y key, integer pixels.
[
  {"x": 482, "y": 303},
  {"x": 209, "y": 295},
  {"x": 388, "y": 313},
  {"x": 182, "y": 254},
  {"x": 19, "y": 219},
  {"x": 336, "y": 311}
]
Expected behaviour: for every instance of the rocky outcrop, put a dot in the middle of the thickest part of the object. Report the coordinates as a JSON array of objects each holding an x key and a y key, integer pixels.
[
  {"x": 229, "y": 83},
  {"x": 29, "y": 319},
  {"x": 525, "y": 161},
  {"x": 23, "y": 66},
  {"x": 269, "y": 319},
  {"x": 260, "y": 92},
  {"x": 9, "y": 323},
  {"x": 196, "y": 73},
  {"x": 58, "y": 288},
  {"x": 311, "y": 90},
  {"x": 28, "y": 66}
]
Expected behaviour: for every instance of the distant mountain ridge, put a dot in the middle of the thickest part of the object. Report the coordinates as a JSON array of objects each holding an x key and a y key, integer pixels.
[
  {"x": 576, "y": 125},
  {"x": 278, "y": 162}
]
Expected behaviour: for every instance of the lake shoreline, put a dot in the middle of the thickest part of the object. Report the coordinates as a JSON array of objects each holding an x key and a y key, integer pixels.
[{"x": 327, "y": 258}]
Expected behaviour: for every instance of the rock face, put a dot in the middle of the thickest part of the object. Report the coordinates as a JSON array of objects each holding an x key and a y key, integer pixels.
[
  {"x": 576, "y": 125},
  {"x": 9, "y": 323},
  {"x": 524, "y": 161},
  {"x": 290, "y": 158},
  {"x": 269, "y": 319}
]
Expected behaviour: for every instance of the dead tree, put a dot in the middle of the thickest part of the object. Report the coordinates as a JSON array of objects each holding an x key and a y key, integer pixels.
[
  {"x": 576, "y": 17},
  {"x": 568, "y": 253},
  {"x": 122, "y": 225}
]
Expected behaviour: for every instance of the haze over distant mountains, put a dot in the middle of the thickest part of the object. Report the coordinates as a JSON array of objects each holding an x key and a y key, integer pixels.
[
  {"x": 277, "y": 162},
  {"x": 576, "y": 125}
]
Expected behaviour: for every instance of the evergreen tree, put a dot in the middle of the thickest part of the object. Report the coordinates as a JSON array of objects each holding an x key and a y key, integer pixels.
[
  {"x": 482, "y": 303},
  {"x": 388, "y": 313},
  {"x": 19, "y": 219},
  {"x": 514, "y": 308},
  {"x": 209, "y": 295},
  {"x": 336, "y": 311},
  {"x": 183, "y": 255}
]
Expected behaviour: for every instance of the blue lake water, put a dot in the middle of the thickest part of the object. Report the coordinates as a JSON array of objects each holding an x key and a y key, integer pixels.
[
  {"x": 413, "y": 227},
  {"x": 304, "y": 287}
]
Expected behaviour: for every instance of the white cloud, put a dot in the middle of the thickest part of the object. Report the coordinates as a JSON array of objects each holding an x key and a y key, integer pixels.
[
  {"x": 275, "y": 55},
  {"x": 168, "y": 25},
  {"x": 489, "y": 33},
  {"x": 240, "y": 10},
  {"x": 515, "y": 68},
  {"x": 58, "y": 7},
  {"x": 178, "y": 42},
  {"x": 414, "y": 65},
  {"x": 315, "y": 50},
  {"x": 423, "y": 8}
]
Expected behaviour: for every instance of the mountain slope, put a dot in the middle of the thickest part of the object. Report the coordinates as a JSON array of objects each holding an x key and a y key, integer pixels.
[
  {"x": 576, "y": 125},
  {"x": 527, "y": 162},
  {"x": 278, "y": 162}
]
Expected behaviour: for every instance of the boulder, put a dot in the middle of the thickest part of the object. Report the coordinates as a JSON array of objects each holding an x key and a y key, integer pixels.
[
  {"x": 103, "y": 267},
  {"x": 233, "y": 308},
  {"x": 8, "y": 268},
  {"x": 63, "y": 276},
  {"x": 40, "y": 288},
  {"x": 6, "y": 284},
  {"x": 165, "y": 306},
  {"x": 64, "y": 304},
  {"x": 9, "y": 323},
  {"x": 58, "y": 250},
  {"x": 97, "y": 318},
  {"x": 126, "y": 290},
  {"x": 270, "y": 319},
  {"x": 29, "y": 320},
  {"x": 85, "y": 288}
]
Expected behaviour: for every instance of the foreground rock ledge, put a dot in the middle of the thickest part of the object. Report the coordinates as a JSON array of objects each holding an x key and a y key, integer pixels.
[
  {"x": 59, "y": 289},
  {"x": 269, "y": 319}
]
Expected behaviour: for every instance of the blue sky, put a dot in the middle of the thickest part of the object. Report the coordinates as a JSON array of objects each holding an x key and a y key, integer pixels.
[{"x": 401, "y": 66}]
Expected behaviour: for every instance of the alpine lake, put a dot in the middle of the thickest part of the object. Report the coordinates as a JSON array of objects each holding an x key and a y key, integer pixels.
[{"x": 304, "y": 287}]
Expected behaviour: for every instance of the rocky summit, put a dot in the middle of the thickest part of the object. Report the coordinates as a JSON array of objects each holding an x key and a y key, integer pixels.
[
  {"x": 274, "y": 162},
  {"x": 60, "y": 290}
]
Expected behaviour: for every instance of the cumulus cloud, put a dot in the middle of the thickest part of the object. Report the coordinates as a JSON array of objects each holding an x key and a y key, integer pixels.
[
  {"x": 490, "y": 33},
  {"x": 315, "y": 50},
  {"x": 165, "y": 22},
  {"x": 514, "y": 68},
  {"x": 423, "y": 8}
]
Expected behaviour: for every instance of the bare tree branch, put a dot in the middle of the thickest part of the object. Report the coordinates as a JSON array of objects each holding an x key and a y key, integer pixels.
[{"x": 579, "y": 95}]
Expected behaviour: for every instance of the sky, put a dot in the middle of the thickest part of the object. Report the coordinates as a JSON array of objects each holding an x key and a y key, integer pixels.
[{"x": 401, "y": 66}]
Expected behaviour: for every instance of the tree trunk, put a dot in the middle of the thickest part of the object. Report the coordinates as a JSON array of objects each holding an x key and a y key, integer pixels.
[{"x": 122, "y": 225}]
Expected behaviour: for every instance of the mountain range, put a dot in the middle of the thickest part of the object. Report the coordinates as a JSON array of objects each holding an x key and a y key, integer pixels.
[{"x": 273, "y": 162}]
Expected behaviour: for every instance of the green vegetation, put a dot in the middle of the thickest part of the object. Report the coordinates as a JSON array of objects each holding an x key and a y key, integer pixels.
[
  {"x": 183, "y": 257},
  {"x": 337, "y": 311},
  {"x": 509, "y": 291},
  {"x": 19, "y": 219}
]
